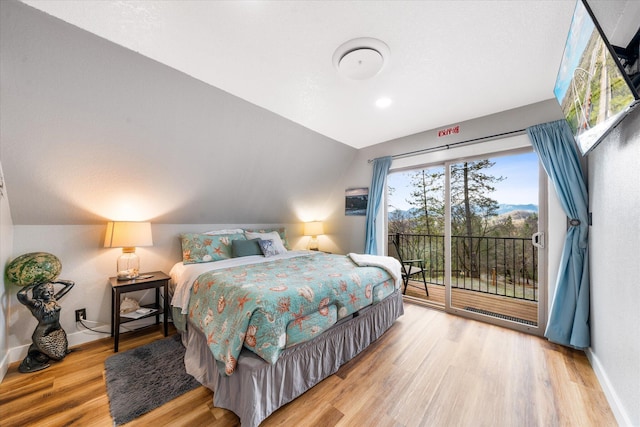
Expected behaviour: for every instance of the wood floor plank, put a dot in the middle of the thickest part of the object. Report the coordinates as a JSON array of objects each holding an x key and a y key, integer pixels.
[
  {"x": 429, "y": 369},
  {"x": 191, "y": 408}
]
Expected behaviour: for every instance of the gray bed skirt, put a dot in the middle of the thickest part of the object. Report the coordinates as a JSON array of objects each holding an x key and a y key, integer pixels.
[{"x": 256, "y": 389}]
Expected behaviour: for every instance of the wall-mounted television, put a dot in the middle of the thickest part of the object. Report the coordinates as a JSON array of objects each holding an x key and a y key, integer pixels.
[{"x": 593, "y": 89}]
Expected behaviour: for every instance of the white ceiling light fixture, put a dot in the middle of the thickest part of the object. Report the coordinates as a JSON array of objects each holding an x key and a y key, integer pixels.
[
  {"x": 383, "y": 102},
  {"x": 361, "y": 58}
]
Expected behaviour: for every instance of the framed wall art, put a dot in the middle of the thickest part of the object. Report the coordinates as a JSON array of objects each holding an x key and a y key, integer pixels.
[{"x": 355, "y": 201}]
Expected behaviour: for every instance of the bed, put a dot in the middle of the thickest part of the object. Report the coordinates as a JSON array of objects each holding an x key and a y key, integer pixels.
[{"x": 261, "y": 330}]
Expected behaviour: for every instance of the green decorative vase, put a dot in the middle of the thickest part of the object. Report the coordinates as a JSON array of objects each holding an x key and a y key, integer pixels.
[{"x": 34, "y": 268}]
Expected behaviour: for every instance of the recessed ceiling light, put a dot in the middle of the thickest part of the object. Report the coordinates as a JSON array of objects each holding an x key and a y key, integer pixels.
[{"x": 383, "y": 102}]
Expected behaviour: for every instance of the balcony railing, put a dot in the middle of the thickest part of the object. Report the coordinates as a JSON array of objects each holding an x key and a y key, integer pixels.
[{"x": 505, "y": 266}]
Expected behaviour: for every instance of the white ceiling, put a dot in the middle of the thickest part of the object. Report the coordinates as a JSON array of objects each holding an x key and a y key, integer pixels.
[{"x": 449, "y": 61}]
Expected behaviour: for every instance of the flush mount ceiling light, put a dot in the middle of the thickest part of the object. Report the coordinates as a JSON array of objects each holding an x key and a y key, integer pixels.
[
  {"x": 361, "y": 58},
  {"x": 383, "y": 102}
]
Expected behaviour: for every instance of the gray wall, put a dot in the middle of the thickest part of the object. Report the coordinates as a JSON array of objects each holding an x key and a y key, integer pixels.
[
  {"x": 614, "y": 245},
  {"x": 6, "y": 246},
  {"x": 92, "y": 131}
]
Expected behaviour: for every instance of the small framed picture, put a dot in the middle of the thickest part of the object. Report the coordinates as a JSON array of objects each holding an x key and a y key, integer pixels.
[{"x": 355, "y": 201}]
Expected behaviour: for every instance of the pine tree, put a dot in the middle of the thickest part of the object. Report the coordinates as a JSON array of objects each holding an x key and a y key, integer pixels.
[
  {"x": 471, "y": 208},
  {"x": 471, "y": 204},
  {"x": 427, "y": 199}
]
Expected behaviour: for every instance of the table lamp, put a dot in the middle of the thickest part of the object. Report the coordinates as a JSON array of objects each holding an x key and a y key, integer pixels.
[
  {"x": 313, "y": 229},
  {"x": 127, "y": 235}
]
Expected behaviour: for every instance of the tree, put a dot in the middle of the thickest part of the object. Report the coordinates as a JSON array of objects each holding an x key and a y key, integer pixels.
[
  {"x": 471, "y": 204},
  {"x": 427, "y": 198},
  {"x": 530, "y": 225},
  {"x": 471, "y": 208},
  {"x": 400, "y": 222}
]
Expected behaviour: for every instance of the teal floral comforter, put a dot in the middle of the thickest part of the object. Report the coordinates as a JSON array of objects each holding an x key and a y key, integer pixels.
[{"x": 266, "y": 306}]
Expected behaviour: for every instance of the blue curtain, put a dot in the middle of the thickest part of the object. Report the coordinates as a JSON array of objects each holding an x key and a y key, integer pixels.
[
  {"x": 569, "y": 318},
  {"x": 380, "y": 170}
]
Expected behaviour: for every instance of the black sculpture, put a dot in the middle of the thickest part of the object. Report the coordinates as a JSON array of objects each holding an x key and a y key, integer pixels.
[
  {"x": 37, "y": 272},
  {"x": 49, "y": 339}
]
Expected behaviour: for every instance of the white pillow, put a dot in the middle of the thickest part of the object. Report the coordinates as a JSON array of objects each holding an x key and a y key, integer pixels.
[
  {"x": 218, "y": 232},
  {"x": 277, "y": 241}
]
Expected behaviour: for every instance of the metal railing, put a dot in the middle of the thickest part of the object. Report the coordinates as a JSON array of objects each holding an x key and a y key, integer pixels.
[{"x": 505, "y": 266}]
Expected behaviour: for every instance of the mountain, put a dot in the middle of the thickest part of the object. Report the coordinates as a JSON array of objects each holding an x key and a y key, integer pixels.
[
  {"x": 522, "y": 210},
  {"x": 503, "y": 208}
]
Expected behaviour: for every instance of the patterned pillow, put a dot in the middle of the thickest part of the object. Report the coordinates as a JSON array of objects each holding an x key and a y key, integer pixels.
[
  {"x": 198, "y": 248},
  {"x": 268, "y": 249},
  {"x": 282, "y": 232},
  {"x": 273, "y": 235}
]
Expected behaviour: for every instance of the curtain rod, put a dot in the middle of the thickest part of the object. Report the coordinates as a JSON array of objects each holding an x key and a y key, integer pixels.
[{"x": 455, "y": 144}]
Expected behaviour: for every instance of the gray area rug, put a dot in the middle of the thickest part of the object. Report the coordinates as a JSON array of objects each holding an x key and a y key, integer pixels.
[{"x": 145, "y": 378}]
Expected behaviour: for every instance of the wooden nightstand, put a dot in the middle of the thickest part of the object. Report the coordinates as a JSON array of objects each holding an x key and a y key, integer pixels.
[{"x": 157, "y": 280}]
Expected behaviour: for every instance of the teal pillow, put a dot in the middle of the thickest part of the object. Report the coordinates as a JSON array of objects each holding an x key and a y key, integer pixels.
[
  {"x": 197, "y": 248},
  {"x": 240, "y": 248}
]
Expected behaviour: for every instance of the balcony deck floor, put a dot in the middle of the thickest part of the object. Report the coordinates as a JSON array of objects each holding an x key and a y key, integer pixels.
[{"x": 511, "y": 307}]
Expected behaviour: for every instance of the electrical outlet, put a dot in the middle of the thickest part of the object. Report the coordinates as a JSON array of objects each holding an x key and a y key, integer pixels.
[{"x": 81, "y": 314}]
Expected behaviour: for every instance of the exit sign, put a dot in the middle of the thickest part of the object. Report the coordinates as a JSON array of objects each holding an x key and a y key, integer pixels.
[{"x": 449, "y": 131}]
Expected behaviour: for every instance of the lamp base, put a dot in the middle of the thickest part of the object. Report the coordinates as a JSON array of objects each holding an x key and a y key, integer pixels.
[
  {"x": 128, "y": 267},
  {"x": 313, "y": 243}
]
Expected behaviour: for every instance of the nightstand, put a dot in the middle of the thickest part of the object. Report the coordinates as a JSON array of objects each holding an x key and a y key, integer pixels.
[{"x": 118, "y": 287}]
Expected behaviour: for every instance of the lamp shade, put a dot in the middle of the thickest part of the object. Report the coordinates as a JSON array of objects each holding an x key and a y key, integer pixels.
[
  {"x": 128, "y": 234},
  {"x": 314, "y": 228}
]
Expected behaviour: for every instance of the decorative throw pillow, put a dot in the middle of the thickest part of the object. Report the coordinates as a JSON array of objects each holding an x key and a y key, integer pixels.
[
  {"x": 273, "y": 235},
  {"x": 197, "y": 248},
  {"x": 282, "y": 232},
  {"x": 240, "y": 248},
  {"x": 268, "y": 248}
]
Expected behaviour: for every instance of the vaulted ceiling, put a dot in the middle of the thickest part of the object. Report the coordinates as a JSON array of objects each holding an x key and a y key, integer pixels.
[
  {"x": 203, "y": 112},
  {"x": 448, "y": 61}
]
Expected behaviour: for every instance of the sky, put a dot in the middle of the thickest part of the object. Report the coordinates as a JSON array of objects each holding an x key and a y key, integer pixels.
[{"x": 519, "y": 188}]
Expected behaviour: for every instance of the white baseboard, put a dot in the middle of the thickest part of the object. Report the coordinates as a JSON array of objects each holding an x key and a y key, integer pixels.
[
  {"x": 4, "y": 366},
  {"x": 612, "y": 397}
]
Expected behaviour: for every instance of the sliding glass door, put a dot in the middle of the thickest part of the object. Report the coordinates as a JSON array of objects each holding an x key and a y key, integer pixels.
[
  {"x": 477, "y": 226},
  {"x": 495, "y": 239}
]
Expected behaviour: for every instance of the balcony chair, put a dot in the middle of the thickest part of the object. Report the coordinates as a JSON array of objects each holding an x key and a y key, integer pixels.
[{"x": 410, "y": 267}]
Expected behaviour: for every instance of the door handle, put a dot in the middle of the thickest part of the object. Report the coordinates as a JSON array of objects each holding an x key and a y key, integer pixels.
[{"x": 537, "y": 239}]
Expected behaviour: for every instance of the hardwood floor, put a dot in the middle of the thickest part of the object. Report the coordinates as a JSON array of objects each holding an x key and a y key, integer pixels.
[{"x": 429, "y": 369}]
